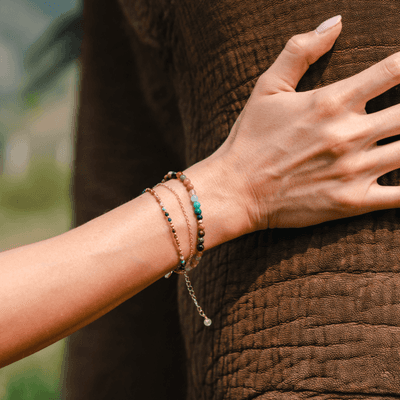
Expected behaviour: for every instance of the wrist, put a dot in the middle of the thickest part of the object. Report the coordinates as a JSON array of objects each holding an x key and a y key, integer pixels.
[{"x": 223, "y": 207}]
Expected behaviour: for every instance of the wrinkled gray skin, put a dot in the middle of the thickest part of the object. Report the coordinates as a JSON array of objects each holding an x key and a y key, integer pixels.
[{"x": 297, "y": 313}]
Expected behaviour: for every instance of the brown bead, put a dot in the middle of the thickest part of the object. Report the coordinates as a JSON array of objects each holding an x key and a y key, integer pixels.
[
  {"x": 201, "y": 227},
  {"x": 201, "y": 233},
  {"x": 189, "y": 187},
  {"x": 186, "y": 181},
  {"x": 178, "y": 174}
]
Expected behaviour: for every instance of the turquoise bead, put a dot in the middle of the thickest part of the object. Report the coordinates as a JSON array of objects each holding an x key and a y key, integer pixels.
[
  {"x": 196, "y": 204},
  {"x": 197, "y": 211},
  {"x": 194, "y": 198}
]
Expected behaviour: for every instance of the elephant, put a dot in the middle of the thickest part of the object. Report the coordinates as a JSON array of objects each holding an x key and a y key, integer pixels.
[{"x": 297, "y": 313}]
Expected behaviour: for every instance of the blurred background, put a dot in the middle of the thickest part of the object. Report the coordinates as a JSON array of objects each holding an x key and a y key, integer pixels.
[{"x": 39, "y": 92}]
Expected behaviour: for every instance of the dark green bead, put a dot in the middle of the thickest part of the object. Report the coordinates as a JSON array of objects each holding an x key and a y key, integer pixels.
[
  {"x": 199, "y": 216},
  {"x": 200, "y": 247},
  {"x": 197, "y": 211},
  {"x": 169, "y": 219},
  {"x": 173, "y": 175},
  {"x": 200, "y": 240},
  {"x": 166, "y": 214},
  {"x": 173, "y": 231}
]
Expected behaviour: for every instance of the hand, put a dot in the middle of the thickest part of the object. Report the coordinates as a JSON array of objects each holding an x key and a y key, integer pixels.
[{"x": 305, "y": 158}]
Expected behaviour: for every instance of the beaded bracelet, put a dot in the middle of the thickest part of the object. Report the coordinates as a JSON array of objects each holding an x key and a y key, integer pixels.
[
  {"x": 180, "y": 270},
  {"x": 182, "y": 264},
  {"x": 198, "y": 213}
]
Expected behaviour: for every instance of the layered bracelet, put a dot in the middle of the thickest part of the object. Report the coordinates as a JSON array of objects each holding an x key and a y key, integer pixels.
[
  {"x": 194, "y": 257},
  {"x": 182, "y": 261},
  {"x": 198, "y": 214}
]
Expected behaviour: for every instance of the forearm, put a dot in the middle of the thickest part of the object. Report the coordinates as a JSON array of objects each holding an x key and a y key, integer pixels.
[{"x": 52, "y": 288}]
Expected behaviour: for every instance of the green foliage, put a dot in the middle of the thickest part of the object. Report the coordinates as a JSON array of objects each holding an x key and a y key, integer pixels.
[
  {"x": 32, "y": 385},
  {"x": 32, "y": 99},
  {"x": 43, "y": 187}
]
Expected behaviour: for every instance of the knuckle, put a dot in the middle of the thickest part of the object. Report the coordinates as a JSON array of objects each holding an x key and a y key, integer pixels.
[
  {"x": 347, "y": 171},
  {"x": 339, "y": 146},
  {"x": 346, "y": 202},
  {"x": 350, "y": 200},
  {"x": 327, "y": 106},
  {"x": 336, "y": 145},
  {"x": 298, "y": 45},
  {"x": 348, "y": 196},
  {"x": 391, "y": 66}
]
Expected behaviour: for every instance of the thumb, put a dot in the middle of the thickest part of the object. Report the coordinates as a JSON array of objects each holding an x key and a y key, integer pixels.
[{"x": 299, "y": 53}]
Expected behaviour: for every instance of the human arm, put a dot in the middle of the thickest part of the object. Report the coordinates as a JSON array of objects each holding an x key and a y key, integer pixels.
[{"x": 106, "y": 261}]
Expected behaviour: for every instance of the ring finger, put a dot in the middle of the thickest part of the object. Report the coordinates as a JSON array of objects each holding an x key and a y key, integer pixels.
[{"x": 384, "y": 124}]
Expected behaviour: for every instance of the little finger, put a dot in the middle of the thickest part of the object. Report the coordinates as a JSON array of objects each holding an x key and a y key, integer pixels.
[{"x": 382, "y": 197}]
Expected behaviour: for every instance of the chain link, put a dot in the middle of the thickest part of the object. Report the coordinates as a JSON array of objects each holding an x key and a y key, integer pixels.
[
  {"x": 191, "y": 240},
  {"x": 190, "y": 289},
  {"x": 182, "y": 269}
]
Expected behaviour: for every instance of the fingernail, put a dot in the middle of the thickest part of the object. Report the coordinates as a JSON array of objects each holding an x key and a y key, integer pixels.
[{"x": 328, "y": 24}]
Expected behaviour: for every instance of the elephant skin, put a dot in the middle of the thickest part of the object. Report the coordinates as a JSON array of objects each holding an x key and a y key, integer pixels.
[{"x": 311, "y": 313}]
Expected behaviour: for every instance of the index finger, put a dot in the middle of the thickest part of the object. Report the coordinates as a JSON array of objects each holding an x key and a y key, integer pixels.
[{"x": 372, "y": 82}]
